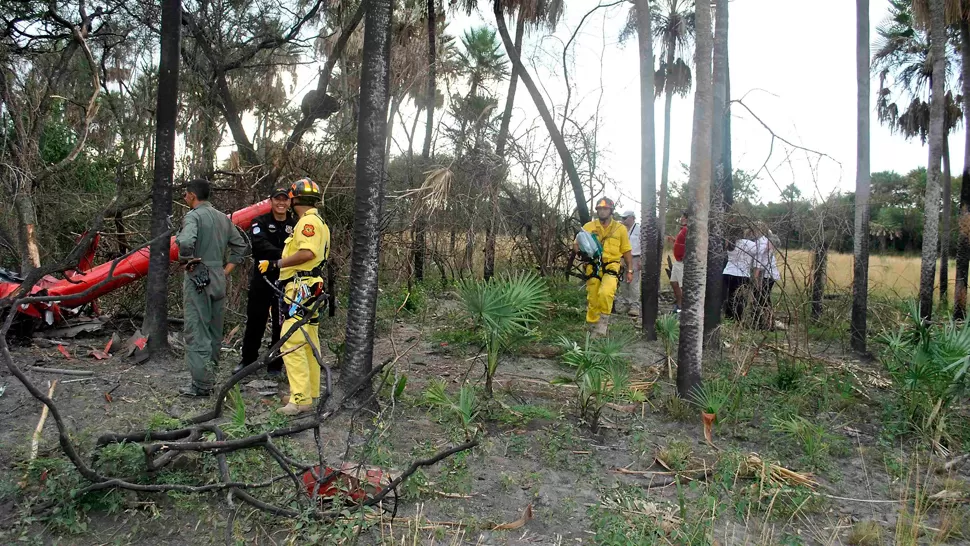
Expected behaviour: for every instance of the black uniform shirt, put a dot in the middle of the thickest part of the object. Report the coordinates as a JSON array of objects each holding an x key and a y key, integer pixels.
[{"x": 269, "y": 235}]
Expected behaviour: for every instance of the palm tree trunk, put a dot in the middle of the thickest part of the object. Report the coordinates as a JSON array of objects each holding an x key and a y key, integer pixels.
[
  {"x": 945, "y": 222},
  {"x": 963, "y": 249},
  {"x": 665, "y": 162},
  {"x": 649, "y": 234},
  {"x": 421, "y": 225},
  {"x": 155, "y": 325},
  {"x": 503, "y": 130},
  {"x": 716, "y": 252},
  {"x": 369, "y": 194},
  {"x": 931, "y": 218},
  {"x": 860, "y": 243},
  {"x": 691, "y": 350},
  {"x": 503, "y": 135},
  {"x": 432, "y": 79},
  {"x": 567, "y": 161}
]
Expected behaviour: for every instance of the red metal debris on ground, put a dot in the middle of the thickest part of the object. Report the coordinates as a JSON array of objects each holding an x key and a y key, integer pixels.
[{"x": 351, "y": 480}]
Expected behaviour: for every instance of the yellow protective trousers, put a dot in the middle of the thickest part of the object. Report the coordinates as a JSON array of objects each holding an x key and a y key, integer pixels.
[
  {"x": 599, "y": 296},
  {"x": 302, "y": 368}
]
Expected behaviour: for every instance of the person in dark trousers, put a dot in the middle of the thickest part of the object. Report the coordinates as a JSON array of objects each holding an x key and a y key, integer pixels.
[
  {"x": 268, "y": 234},
  {"x": 737, "y": 274}
]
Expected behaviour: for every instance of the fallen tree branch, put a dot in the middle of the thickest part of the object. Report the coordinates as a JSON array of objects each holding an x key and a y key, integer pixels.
[
  {"x": 35, "y": 441},
  {"x": 43, "y": 369}
]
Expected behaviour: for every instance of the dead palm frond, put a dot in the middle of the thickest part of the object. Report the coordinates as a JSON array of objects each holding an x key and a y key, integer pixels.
[
  {"x": 953, "y": 10},
  {"x": 433, "y": 193}
]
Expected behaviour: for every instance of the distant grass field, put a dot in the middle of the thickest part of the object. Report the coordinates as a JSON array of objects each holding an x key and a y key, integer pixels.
[{"x": 891, "y": 276}]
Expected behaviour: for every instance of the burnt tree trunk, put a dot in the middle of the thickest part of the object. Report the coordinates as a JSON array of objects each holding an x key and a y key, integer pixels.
[
  {"x": 963, "y": 249},
  {"x": 860, "y": 243},
  {"x": 649, "y": 233},
  {"x": 155, "y": 325},
  {"x": 945, "y": 227},
  {"x": 369, "y": 195}
]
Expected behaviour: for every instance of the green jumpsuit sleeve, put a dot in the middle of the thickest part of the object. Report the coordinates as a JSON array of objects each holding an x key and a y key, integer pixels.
[
  {"x": 238, "y": 246},
  {"x": 188, "y": 236}
]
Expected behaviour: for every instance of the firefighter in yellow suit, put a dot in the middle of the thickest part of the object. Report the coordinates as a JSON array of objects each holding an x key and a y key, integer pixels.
[
  {"x": 603, "y": 280},
  {"x": 301, "y": 280}
]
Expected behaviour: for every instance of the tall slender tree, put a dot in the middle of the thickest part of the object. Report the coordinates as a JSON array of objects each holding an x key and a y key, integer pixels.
[
  {"x": 432, "y": 91},
  {"x": 963, "y": 249},
  {"x": 582, "y": 208},
  {"x": 155, "y": 325},
  {"x": 691, "y": 349},
  {"x": 649, "y": 234},
  {"x": 528, "y": 12},
  {"x": 860, "y": 243},
  {"x": 946, "y": 190},
  {"x": 720, "y": 150},
  {"x": 369, "y": 193},
  {"x": 503, "y": 130},
  {"x": 673, "y": 28},
  {"x": 931, "y": 222}
]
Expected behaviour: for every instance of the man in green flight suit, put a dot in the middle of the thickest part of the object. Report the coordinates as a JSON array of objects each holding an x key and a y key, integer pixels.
[{"x": 205, "y": 236}]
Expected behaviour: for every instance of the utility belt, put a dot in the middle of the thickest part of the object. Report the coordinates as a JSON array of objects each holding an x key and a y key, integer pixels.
[
  {"x": 299, "y": 295},
  {"x": 597, "y": 268}
]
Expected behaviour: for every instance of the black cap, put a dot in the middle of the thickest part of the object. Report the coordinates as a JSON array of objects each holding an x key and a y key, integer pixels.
[{"x": 280, "y": 191}]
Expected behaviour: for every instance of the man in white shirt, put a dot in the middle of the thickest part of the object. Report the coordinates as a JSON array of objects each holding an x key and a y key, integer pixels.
[
  {"x": 629, "y": 297},
  {"x": 737, "y": 274},
  {"x": 766, "y": 274}
]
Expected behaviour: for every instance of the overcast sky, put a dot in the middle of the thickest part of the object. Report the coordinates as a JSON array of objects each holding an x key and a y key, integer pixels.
[{"x": 792, "y": 62}]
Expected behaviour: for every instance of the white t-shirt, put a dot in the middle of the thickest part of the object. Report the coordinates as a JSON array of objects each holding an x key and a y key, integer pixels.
[
  {"x": 635, "y": 239},
  {"x": 765, "y": 258},
  {"x": 740, "y": 259}
]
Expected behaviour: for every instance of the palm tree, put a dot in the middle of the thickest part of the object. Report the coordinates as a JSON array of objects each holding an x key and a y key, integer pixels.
[
  {"x": 691, "y": 348},
  {"x": 963, "y": 248},
  {"x": 368, "y": 198},
  {"x": 482, "y": 62},
  {"x": 860, "y": 248},
  {"x": 650, "y": 255},
  {"x": 673, "y": 28},
  {"x": 931, "y": 222},
  {"x": 721, "y": 198},
  {"x": 905, "y": 53},
  {"x": 156, "y": 298}
]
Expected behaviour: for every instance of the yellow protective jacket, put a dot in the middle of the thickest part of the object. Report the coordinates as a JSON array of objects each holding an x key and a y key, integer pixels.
[
  {"x": 310, "y": 233},
  {"x": 615, "y": 241}
]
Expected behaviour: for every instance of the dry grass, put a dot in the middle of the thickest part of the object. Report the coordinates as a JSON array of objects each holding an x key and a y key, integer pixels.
[{"x": 888, "y": 275}]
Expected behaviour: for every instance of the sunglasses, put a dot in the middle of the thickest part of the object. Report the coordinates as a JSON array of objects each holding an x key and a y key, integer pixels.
[{"x": 281, "y": 198}]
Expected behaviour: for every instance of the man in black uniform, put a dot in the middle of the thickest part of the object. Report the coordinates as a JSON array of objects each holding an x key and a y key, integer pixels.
[{"x": 268, "y": 235}]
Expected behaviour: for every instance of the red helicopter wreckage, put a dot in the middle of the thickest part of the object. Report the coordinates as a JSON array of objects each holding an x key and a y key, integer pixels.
[{"x": 76, "y": 282}]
